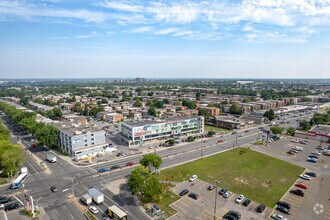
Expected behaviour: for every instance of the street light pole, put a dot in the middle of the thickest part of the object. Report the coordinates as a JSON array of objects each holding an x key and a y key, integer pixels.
[
  {"x": 201, "y": 148},
  {"x": 215, "y": 200}
]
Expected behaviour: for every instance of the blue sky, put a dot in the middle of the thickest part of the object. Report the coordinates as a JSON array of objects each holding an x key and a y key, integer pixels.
[{"x": 165, "y": 39}]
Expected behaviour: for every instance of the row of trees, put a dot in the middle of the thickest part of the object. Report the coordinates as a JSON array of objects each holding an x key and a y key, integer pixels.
[
  {"x": 11, "y": 156},
  {"x": 46, "y": 134},
  {"x": 143, "y": 183}
]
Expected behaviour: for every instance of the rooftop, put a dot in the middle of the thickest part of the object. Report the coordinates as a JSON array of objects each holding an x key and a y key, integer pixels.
[
  {"x": 151, "y": 122},
  {"x": 321, "y": 129},
  {"x": 71, "y": 129}
]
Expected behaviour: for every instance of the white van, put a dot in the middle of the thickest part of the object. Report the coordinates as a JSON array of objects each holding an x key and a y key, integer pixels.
[{"x": 298, "y": 148}]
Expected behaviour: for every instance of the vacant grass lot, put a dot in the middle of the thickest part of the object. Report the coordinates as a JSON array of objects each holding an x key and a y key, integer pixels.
[
  {"x": 257, "y": 176},
  {"x": 216, "y": 129}
]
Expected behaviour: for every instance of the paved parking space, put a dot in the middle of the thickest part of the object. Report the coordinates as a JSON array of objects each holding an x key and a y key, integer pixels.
[{"x": 203, "y": 207}]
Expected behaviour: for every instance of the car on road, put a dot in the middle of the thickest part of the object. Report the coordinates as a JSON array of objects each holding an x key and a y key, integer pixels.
[
  {"x": 5, "y": 199},
  {"x": 312, "y": 160},
  {"x": 316, "y": 153},
  {"x": 239, "y": 199},
  {"x": 283, "y": 209},
  {"x": 284, "y": 204},
  {"x": 300, "y": 185},
  {"x": 93, "y": 209},
  {"x": 221, "y": 141},
  {"x": 227, "y": 194},
  {"x": 312, "y": 174},
  {"x": 261, "y": 208},
  {"x": 246, "y": 202},
  {"x": 193, "y": 195},
  {"x": 114, "y": 167},
  {"x": 222, "y": 191},
  {"x": 193, "y": 178},
  {"x": 211, "y": 187},
  {"x": 102, "y": 170},
  {"x": 241, "y": 135},
  {"x": 246, "y": 131},
  {"x": 235, "y": 214},
  {"x": 130, "y": 164},
  {"x": 12, "y": 206},
  {"x": 121, "y": 153},
  {"x": 297, "y": 192},
  {"x": 53, "y": 189},
  {"x": 278, "y": 217},
  {"x": 184, "y": 192}
]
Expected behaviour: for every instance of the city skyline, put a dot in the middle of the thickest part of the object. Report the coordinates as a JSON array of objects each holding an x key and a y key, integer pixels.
[{"x": 164, "y": 39}]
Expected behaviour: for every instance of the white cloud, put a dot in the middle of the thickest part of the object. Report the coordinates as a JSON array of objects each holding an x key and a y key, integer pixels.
[
  {"x": 85, "y": 36},
  {"x": 141, "y": 29},
  {"x": 166, "y": 31}
]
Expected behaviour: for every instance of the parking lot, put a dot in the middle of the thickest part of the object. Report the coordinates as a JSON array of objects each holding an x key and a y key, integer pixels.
[
  {"x": 316, "y": 201},
  {"x": 203, "y": 207}
]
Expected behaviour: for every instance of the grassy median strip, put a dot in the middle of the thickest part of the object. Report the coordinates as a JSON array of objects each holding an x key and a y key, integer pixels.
[
  {"x": 90, "y": 216},
  {"x": 257, "y": 176}
]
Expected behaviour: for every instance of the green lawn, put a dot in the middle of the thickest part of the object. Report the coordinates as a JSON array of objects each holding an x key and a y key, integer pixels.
[
  {"x": 216, "y": 129},
  {"x": 168, "y": 198},
  {"x": 246, "y": 173}
]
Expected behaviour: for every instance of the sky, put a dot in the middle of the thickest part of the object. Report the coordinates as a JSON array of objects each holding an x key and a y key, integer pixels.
[{"x": 165, "y": 39}]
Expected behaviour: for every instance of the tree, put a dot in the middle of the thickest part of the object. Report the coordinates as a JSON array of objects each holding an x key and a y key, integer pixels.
[
  {"x": 150, "y": 94},
  {"x": 24, "y": 101},
  {"x": 210, "y": 133},
  {"x": 190, "y": 138},
  {"x": 170, "y": 142},
  {"x": 246, "y": 100},
  {"x": 158, "y": 104},
  {"x": 277, "y": 130},
  {"x": 141, "y": 181},
  {"x": 270, "y": 114},
  {"x": 319, "y": 118},
  {"x": 198, "y": 95},
  {"x": 104, "y": 101},
  {"x": 189, "y": 103},
  {"x": 138, "y": 103},
  {"x": 166, "y": 101},
  {"x": 151, "y": 160},
  {"x": 305, "y": 125},
  {"x": 57, "y": 114},
  {"x": 203, "y": 112},
  {"x": 177, "y": 103},
  {"x": 152, "y": 111},
  {"x": 290, "y": 131},
  {"x": 235, "y": 109}
]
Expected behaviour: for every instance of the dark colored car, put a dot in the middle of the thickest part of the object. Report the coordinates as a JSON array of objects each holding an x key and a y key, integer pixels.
[
  {"x": 114, "y": 167},
  {"x": 53, "y": 189},
  {"x": 193, "y": 196},
  {"x": 184, "y": 192},
  {"x": 130, "y": 164},
  {"x": 222, "y": 191},
  {"x": 211, "y": 187},
  {"x": 246, "y": 202},
  {"x": 311, "y": 174},
  {"x": 229, "y": 217},
  {"x": 284, "y": 204},
  {"x": 313, "y": 156},
  {"x": 297, "y": 192},
  {"x": 246, "y": 131},
  {"x": 261, "y": 208},
  {"x": 283, "y": 209},
  {"x": 102, "y": 170},
  {"x": 4, "y": 200},
  {"x": 11, "y": 206},
  {"x": 235, "y": 214}
]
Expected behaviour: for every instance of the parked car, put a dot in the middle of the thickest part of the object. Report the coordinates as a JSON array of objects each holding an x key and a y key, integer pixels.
[
  {"x": 184, "y": 192},
  {"x": 239, "y": 199},
  {"x": 237, "y": 215},
  {"x": 297, "y": 148},
  {"x": 2, "y": 206},
  {"x": 93, "y": 209},
  {"x": 227, "y": 194},
  {"x": 320, "y": 148},
  {"x": 246, "y": 202},
  {"x": 278, "y": 217},
  {"x": 313, "y": 156},
  {"x": 53, "y": 189},
  {"x": 305, "y": 177},
  {"x": 284, "y": 204},
  {"x": 303, "y": 142},
  {"x": 246, "y": 131},
  {"x": 283, "y": 209},
  {"x": 12, "y": 206},
  {"x": 114, "y": 167},
  {"x": 316, "y": 153},
  {"x": 326, "y": 153},
  {"x": 130, "y": 164},
  {"x": 222, "y": 191},
  {"x": 193, "y": 178},
  {"x": 193, "y": 195},
  {"x": 5, "y": 199},
  {"x": 300, "y": 185},
  {"x": 291, "y": 152},
  {"x": 221, "y": 140},
  {"x": 228, "y": 217},
  {"x": 312, "y": 160},
  {"x": 297, "y": 192},
  {"x": 102, "y": 170},
  {"x": 261, "y": 208},
  {"x": 294, "y": 141},
  {"x": 312, "y": 174},
  {"x": 211, "y": 187}
]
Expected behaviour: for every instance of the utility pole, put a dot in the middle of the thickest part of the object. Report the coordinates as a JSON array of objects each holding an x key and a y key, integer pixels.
[
  {"x": 215, "y": 200},
  {"x": 201, "y": 147}
]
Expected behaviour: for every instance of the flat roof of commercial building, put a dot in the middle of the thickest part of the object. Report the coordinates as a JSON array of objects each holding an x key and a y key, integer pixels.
[
  {"x": 71, "y": 129},
  {"x": 151, "y": 122},
  {"x": 321, "y": 129}
]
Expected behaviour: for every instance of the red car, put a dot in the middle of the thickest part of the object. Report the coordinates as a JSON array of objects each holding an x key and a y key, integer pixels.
[
  {"x": 326, "y": 153},
  {"x": 130, "y": 164},
  {"x": 33, "y": 145},
  {"x": 221, "y": 140},
  {"x": 300, "y": 185}
]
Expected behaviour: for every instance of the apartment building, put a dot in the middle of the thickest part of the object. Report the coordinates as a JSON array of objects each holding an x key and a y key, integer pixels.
[{"x": 135, "y": 133}]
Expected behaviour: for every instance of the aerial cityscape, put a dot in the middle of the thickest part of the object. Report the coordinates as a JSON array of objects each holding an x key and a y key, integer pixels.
[{"x": 199, "y": 110}]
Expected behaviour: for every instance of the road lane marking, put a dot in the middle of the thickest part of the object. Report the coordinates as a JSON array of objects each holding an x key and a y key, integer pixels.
[
  {"x": 71, "y": 216},
  {"x": 64, "y": 190},
  {"x": 32, "y": 166},
  {"x": 65, "y": 207},
  {"x": 56, "y": 211}
]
